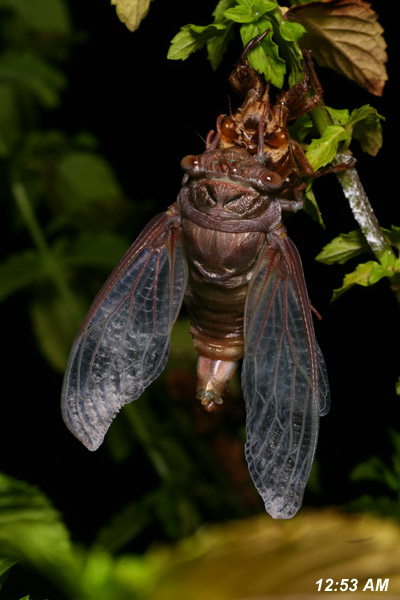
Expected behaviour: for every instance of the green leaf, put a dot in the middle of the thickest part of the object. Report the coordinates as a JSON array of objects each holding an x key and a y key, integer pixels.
[
  {"x": 363, "y": 124},
  {"x": 360, "y": 276},
  {"x": 88, "y": 192},
  {"x": 131, "y": 12},
  {"x": 388, "y": 260},
  {"x": 86, "y": 178},
  {"x": 343, "y": 247},
  {"x": 217, "y": 45},
  {"x": 29, "y": 72},
  {"x": 367, "y": 129},
  {"x": 339, "y": 116},
  {"x": 5, "y": 566},
  {"x": 323, "y": 150},
  {"x": 377, "y": 273},
  {"x": 19, "y": 271},
  {"x": 123, "y": 527},
  {"x": 375, "y": 469},
  {"x": 301, "y": 128},
  {"x": 219, "y": 11},
  {"x": 387, "y": 267},
  {"x": 31, "y": 530},
  {"x": 369, "y": 273},
  {"x": 45, "y": 16},
  {"x": 248, "y": 11},
  {"x": 393, "y": 235},
  {"x": 192, "y": 38},
  {"x": 96, "y": 249},
  {"x": 54, "y": 328},
  {"x": 287, "y": 36},
  {"x": 311, "y": 206},
  {"x": 264, "y": 57}
]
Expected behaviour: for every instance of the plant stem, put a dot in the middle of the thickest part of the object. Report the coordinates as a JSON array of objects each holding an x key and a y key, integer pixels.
[
  {"x": 50, "y": 263},
  {"x": 361, "y": 208},
  {"x": 354, "y": 192}
]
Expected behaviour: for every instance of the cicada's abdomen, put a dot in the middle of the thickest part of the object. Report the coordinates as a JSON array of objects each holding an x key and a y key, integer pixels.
[
  {"x": 220, "y": 266},
  {"x": 224, "y": 220}
]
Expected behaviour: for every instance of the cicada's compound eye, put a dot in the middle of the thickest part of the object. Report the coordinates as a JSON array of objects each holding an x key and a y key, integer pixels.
[
  {"x": 269, "y": 181},
  {"x": 261, "y": 178},
  {"x": 190, "y": 164}
]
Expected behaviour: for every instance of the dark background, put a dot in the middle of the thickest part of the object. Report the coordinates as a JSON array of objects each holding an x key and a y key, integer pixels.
[{"x": 148, "y": 113}]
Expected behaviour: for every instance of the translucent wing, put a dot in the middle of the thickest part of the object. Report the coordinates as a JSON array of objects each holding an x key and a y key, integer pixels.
[
  {"x": 283, "y": 379},
  {"x": 123, "y": 343}
]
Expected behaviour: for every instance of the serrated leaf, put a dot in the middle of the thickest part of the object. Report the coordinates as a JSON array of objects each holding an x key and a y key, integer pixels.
[
  {"x": 377, "y": 273},
  {"x": 288, "y": 36},
  {"x": 248, "y": 11},
  {"x": 219, "y": 10},
  {"x": 360, "y": 276},
  {"x": 345, "y": 35},
  {"x": 131, "y": 12},
  {"x": 323, "y": 150},
  {"x": 343, "y": 247},
  {"x": 363, "y": 125},
  {"x": 339, "y": 116},
  {"x": 27, "y": 70},
  {"x": 217, "y": 45},
  {"x": 388, "y": 266},
  {"x": 264, "y": 58},
  {"x": 366, "y": 124},
  {"x": 192, "y": 38}
]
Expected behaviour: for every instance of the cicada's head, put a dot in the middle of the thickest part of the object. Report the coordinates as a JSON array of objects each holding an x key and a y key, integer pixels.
[{"x": 230, "y": 179}]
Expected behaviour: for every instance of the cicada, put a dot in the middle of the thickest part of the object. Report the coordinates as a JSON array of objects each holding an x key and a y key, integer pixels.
[{"x": 223, "y": 250}]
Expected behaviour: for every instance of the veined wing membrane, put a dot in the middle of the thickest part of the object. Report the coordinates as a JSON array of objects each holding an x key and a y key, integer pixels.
[
  {"x": 283, "y": 379},
  {"x": 123, "y": 344}
]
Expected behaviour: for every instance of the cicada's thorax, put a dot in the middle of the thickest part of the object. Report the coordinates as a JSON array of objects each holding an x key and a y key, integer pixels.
[{"x": 227, "y": 205}]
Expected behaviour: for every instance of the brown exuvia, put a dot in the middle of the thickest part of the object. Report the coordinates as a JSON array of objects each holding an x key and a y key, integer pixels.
[{"x": 222, "y": 249}]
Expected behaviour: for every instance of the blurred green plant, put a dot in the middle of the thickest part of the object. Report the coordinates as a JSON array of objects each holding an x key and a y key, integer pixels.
[
  {"x": 386, "y": 501},
  {"x": 251, "y": 558},
  {"x": 63, "y": 179}
]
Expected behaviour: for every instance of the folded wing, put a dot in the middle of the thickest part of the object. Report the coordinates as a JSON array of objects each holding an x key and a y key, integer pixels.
[
  {"x": 123, "y": 344},
  {"x": 284, "y": 379}
]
